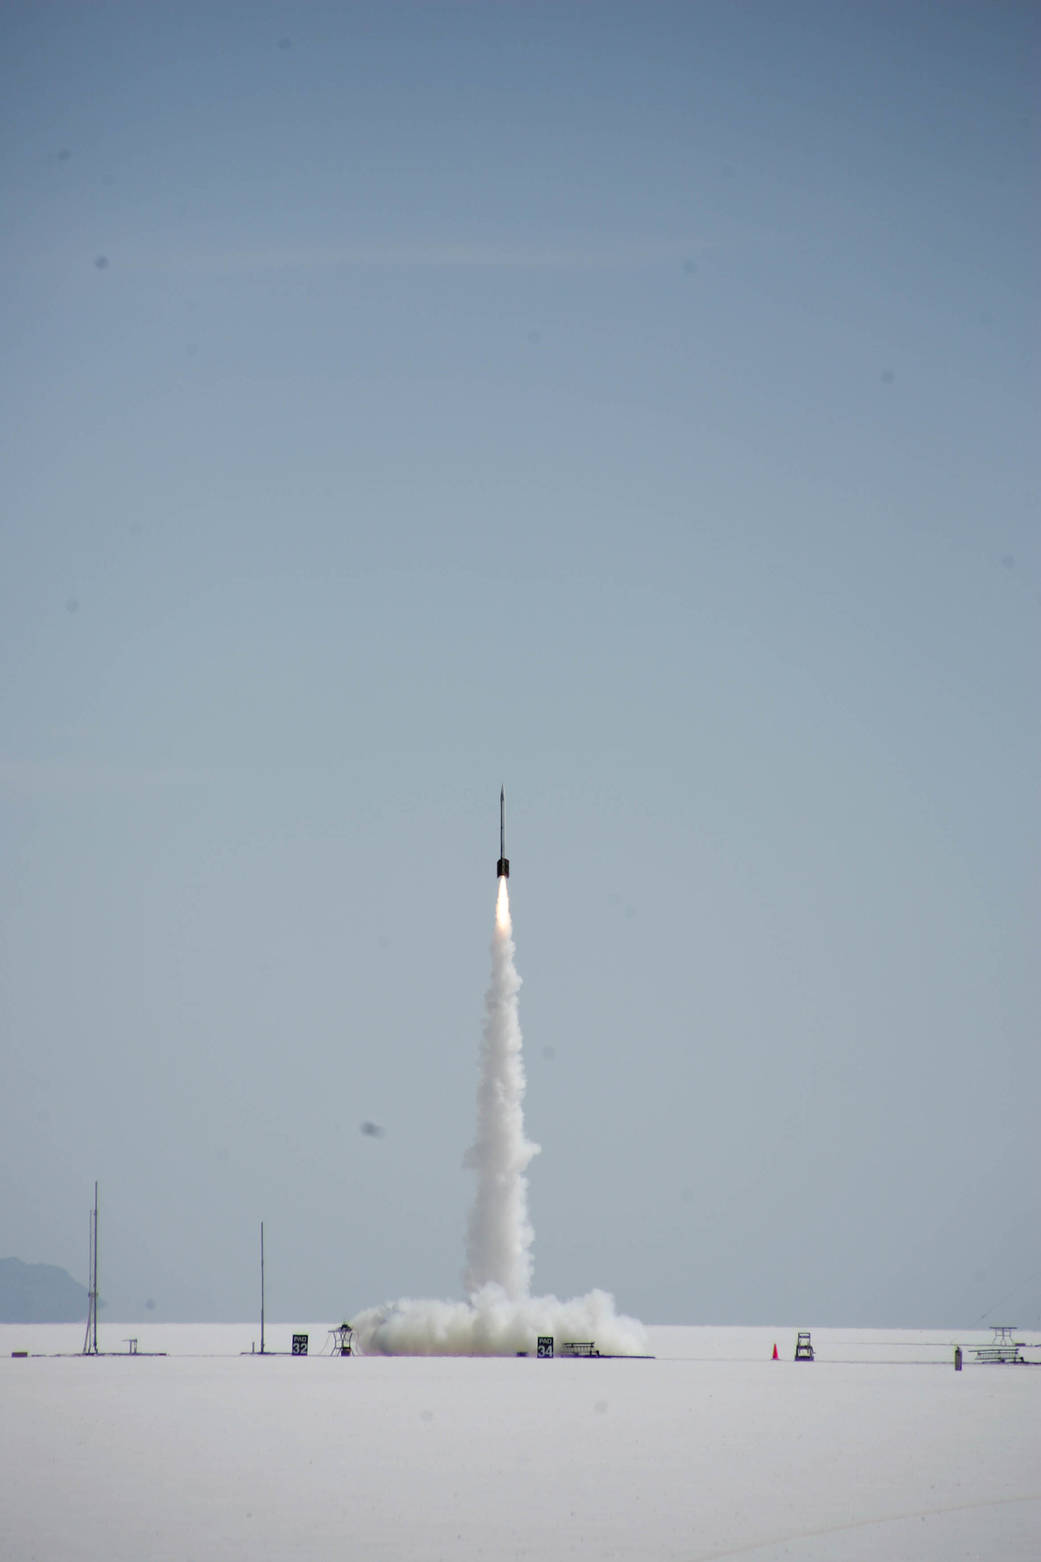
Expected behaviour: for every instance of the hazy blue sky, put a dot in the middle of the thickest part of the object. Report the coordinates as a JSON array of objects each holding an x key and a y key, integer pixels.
[{"x": 634, "y": 403}]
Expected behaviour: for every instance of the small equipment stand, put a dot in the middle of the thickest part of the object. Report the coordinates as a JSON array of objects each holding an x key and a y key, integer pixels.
[
  {"x": 803, "y": 1348},
  {"x": 342, "y": 1339},
  {"x": 1003, "y": 1348}
]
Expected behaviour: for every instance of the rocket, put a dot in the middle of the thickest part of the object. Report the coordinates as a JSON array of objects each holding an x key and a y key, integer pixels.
[{"x": 502, "y": 867}]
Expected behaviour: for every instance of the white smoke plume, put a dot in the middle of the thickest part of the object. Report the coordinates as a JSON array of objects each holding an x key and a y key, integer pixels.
[
  {"x": 500, "y": 1318},
  {"x": 498, "y": 1249}
]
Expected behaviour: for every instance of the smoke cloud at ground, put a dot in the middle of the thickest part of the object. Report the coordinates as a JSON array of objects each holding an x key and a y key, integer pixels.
[{"x": 491, "y": 1324}]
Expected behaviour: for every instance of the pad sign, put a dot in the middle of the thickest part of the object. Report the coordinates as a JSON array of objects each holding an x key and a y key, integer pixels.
[
  {"x": 546, "y": 1345},
  {"x": 299, "y": 1344}
]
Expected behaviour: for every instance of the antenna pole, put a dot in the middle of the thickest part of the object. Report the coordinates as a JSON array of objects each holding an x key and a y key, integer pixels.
[
  {"x": 95, "y": 1307},
  {"x": 90, "y": 1339},
  {"x": 262, "y": 1288}
]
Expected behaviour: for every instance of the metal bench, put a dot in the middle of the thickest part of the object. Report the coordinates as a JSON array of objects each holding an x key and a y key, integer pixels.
[{"x": 579, "y": 1348}]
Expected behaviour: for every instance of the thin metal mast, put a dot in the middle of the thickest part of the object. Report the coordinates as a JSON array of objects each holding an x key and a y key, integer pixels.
[
  {"x": 90, "y": 1339},
  {"x": 262, "y": 1288}
]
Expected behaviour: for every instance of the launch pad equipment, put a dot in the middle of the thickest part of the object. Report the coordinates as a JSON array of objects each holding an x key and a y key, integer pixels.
[
  {"x": 1003, "y": 1349},
  {"x": 803, "y": 1348},
  {"x": 342, "y": 1339},
  {"x": 586, "y": 1348}
]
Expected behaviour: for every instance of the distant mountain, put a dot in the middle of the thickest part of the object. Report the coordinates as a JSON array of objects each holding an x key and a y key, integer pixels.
[{"x": 39, "y": 1293}]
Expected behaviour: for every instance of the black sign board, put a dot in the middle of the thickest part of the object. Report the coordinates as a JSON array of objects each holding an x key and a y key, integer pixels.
[
  {"x": 546, "y": 1345},
  {"x": 299, "y": 1344}
]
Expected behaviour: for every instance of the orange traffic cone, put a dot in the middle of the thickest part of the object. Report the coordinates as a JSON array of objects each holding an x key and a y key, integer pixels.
[{"x": 776, "y": 1357}]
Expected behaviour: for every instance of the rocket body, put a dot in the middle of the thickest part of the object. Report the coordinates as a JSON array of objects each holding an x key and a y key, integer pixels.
[{"x": 502, "y": 867}]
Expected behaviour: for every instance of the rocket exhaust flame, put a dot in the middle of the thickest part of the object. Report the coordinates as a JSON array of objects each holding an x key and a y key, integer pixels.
[{"x": 503, "y": 922}]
